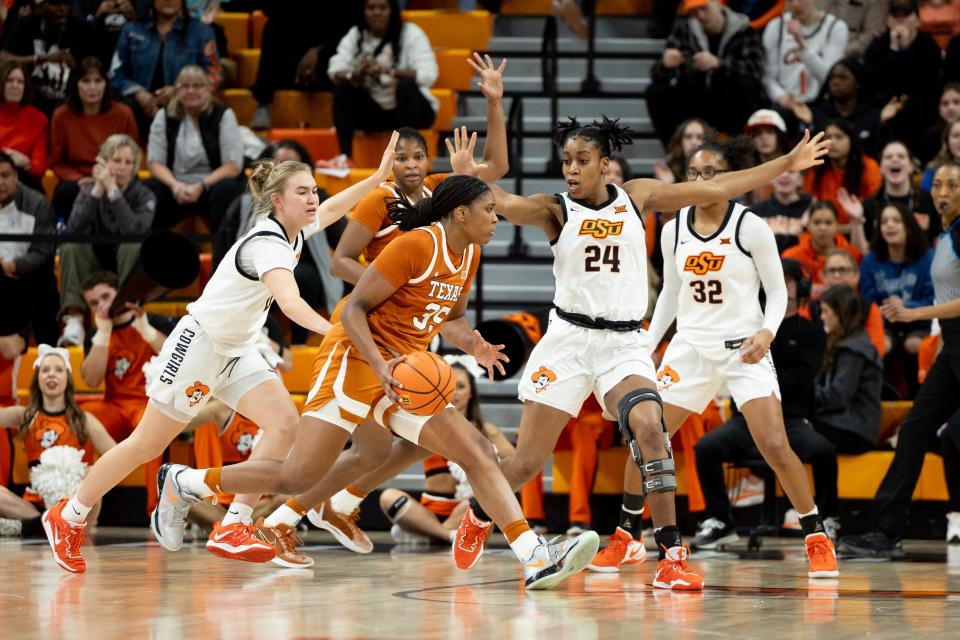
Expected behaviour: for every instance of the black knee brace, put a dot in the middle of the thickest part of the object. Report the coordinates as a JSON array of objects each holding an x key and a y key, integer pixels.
[
  {"x": 658, "y": 475},
  {"x": 398, "y": 508}
]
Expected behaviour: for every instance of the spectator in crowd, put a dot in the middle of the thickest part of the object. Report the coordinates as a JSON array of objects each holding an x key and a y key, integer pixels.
[
  {"x": 51, "y": 418},
  {"x": 904, "y": 65},
  {"x": 787, "y": 210},
  {"x": 619, "y": 171},
  {"x": 14, "y": 335},
  {"x": 437, "y": 519},
  {"x": 848, "y": 386},
  {"x": 951, "y": 61},
  {"x": 941, "y": 19},
  {"x": 844, "y": 96},
  {"x": 108, "y": 17},
  {"x": 897, "y": 168},
  {"x": 800, "y": 47},
  {"x": 841, "y": 268},
  {"x": 51, "y": 41},
  {"x": 949, "y": 111},
  {"x": 710, "y": 56},
  {"x": 115, "y": 203},
  {"x": 898, "y": 265},
  {"x": 769, "y": 134},
  {"x": 80, "y": 127},
  {"x": 845, "y": 167},
  {"x": 797, "y": 353},
  {"x": 949, "y": 151},
  {"x": 28, "y": 266},
  {"x": 937, "y": 399},
  {"x": 864, "y": 19},
  {"x": 195, "y": 154},
  {"x": 817, "y": 241},
  {"x": 686, "y": 139},
  {"x": 299, "y": 39},
  {"x": 382, "y": 74},
  {"x": 152, "y": 51},
  {"x": 23, "y": 128},
  {"x": 760, "y": 12}
]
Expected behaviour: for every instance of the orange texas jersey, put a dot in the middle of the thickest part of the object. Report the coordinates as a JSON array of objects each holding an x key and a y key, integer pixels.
[
  {"x": 51, "y": 430},
  {"x": 371, "y": 212},
  {"x": 237, "y": 438}
]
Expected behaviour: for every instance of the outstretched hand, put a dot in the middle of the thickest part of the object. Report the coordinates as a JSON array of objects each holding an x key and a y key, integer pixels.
[
  {"x": 386, "y": 163},
  {"x": 461, "y": 153},
  {"x": 489, "y": 355},
  {"x": 491, "y": 77},
  {"x": 808, "y": 153}
]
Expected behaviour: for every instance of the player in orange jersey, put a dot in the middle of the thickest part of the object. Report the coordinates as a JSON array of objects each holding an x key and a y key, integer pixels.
[
  {"x": 420, "y": 282},
  {"x": 51, "y": 418}
]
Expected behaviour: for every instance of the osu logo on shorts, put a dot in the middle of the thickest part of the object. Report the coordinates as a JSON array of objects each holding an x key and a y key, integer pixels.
[
  {"x": 667, "y": 377},
  {"x": 703, "y": 263},
  {"x": 196, "y": 393},
  {"x": 542, "y": 378},
  {"x": 600, "y": 229}
]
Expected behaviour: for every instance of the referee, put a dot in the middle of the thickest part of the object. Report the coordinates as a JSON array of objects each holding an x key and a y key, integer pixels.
[{"x": 938, "y": 398}]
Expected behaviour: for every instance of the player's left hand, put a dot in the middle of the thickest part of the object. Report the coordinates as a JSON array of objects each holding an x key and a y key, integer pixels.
[
  {"x": 489, "y": 355},
  {"x": 808, "y": 152},
  {"x": 491, "y": 77},
  {"x": 894, "y": 310},
  {"x": 386, "y": 162},
  {"x": 754, "y": 348},
  {"x": 461, "y": 153}
]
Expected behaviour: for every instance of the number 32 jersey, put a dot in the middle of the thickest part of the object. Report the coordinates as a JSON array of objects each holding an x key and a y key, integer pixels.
[
  {"x": 600, "y": 259},
  {"x": 719, "y": 283}
]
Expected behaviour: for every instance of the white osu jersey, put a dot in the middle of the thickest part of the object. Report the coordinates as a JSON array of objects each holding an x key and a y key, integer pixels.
[
  {"x": 600, "y": 259},
  {"x": 719, "y": 284},
  {"x": 233, "y": 306}
]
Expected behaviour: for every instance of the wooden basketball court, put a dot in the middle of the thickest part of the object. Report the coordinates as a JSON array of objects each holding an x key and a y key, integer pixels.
[{"x": 135, "y": 589}]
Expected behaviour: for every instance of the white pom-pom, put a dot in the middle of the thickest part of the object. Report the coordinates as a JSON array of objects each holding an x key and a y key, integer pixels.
[
  {"x": 59, "y": 474},
  {"x": 464, "y": 490},
  {"x": 151, "y": 369}
]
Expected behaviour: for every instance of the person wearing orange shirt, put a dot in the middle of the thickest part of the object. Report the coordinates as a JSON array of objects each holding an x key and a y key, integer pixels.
[
  {"x": 846, "y": 167},
  {"x": 12, "y": 344},
  {"x": 817, "y": 241}
]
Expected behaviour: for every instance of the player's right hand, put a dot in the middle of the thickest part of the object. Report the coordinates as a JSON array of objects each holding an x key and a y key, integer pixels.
[
  {"x": 384, "y": 373},
  {"x": 386, "y": 162},
  {"x": 808, "y": 153}
]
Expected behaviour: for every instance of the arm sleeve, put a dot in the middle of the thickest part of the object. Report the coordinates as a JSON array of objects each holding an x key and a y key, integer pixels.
[
  {"x": 420, "y": 55},
  {"x": 923, "y": 292},
  {"x": 770, "y": 37},
  {"x": 231, "y": 143},
  {"x": 669, "y": 299},
  {"x": 747, "y": 59},
  {"x": 83, "y": 213},
  {"x": 343, "y": 60},
  {"x": 207, "y": 57},
  {"x": 40, "y": 253},
  {"x": 131, "y": 213},
  {"x": 38, "y": 153},
  {"x": 868, "y": 280},
  {"x": 405, "y": 258},
  {"x": 819, "y": 63},
  {"x": 120, "y": 80},
  {"x": 58, "y": 148},
  {"x": 835, "y": 391},
  {"x": 762, "y": 245},
  {"x": 157, "y": 142}
]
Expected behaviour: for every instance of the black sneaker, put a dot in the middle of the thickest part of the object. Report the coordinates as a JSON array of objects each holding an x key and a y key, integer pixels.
[
  {"x": 873, "y": 544},
  {"x": 712, "y": 532}
]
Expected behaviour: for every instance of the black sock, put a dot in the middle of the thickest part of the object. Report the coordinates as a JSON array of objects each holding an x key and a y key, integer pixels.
[
  {"x": 811, "y": 524},
  {"x": 478, "y": 511},
  {"x": 631, "y": 514},
  {"x": 666, "y": 538}
]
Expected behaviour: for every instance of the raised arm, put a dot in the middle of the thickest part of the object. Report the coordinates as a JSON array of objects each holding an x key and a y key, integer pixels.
[
  {"x": 495, "y": 155},
  {"x": 539, "y": 210},
  {"x": 345, "y": 263},
  {"x": 334, "y": 207},
  {"x": 762, "y": 244},
  {"x": 659, "y": 196},
  {"x": 11, "y": 417}
]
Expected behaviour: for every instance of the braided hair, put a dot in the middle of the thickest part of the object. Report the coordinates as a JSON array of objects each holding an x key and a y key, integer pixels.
[
  {"x": 609, "y": 135},
  {"x": 453, "y": 192}
]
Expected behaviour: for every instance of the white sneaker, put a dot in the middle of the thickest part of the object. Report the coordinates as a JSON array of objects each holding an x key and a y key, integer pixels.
[
  {"x": 555, "y": 561},
  {"x": 261, "y": 117},
  {"x": 791, "y": 520},
  {"x": 953, "y": 528},
  {"x": 832, "y": 528},
  {"x": 748, "y": 493},
  {"x": 73, "y": 332},
  {"x": 10, "y": 528},
  {"x": 169, "y": 518},
  {"x": 402, "y": 536}
]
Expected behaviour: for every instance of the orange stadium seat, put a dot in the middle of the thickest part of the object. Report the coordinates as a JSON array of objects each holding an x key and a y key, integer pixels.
[
  {"x": 321, "y": 143},
  {"x": 368, "y": 147},
  {"x": 313, "y": 109},
  {"x": 454, "y": 29},
  {"x": 297, "y": 380},
  {"x": 447, "y": 110},
  {"x": 455, "y": 73},
  {"x": 247, "y": 62},
  {"x": 241, "y": 101},
  {"x": 333, "y": 185},
  {"x": 257, "y": 20},
  {"x": 236, "y": 26}
]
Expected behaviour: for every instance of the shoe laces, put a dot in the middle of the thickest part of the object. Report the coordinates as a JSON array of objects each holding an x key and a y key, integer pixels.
[
  {"x": 819, "y": 548},
  {"x": 616, "y": 544},
  {"x": 680, "y": 562},
  {"x": 288, "y": 539},
  {"x": 74, "y": 540}
]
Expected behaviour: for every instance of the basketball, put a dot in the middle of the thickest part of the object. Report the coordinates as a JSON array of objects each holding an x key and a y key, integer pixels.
[{"x": 428, "y": 383}]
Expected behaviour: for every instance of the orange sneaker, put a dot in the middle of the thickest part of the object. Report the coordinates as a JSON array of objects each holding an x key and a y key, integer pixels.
[
  {"x": 343, "y": 527},
  {"x": 621, "y": 549},
  {"x": 65, "y": 538},
  {"x": 239, "y": 541},
  {"x": 822, "y": 556},
  {"x": 468, "y": 545},
  {"x": 673, "y": 572},
  {"x": 285, "y": 541}
]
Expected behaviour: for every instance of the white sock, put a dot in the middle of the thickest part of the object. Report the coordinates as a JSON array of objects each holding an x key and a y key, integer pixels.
[
  {"x": 75, "y": 511},
  {"x": 194, "y": 481},
  {"x": 345, "y": 502},
  {"x": 238, "y": 512},
  {"x": 453, "y": 535},
  {"x": 524, "y": 545},
  {"x": 813, "y": 512},
  {"x": 283, "y": 515}
]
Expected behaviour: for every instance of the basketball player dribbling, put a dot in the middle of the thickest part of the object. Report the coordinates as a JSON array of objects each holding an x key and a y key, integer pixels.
[
  {"x": 595, "y": 342},
  {"x": 420, "y": 282},
  {"x": 213, "y": 351},
  {"x": 716, "y": 256}
]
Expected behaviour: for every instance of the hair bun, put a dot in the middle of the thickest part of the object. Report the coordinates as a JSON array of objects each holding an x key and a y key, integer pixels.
[{"x": 260, "y": 176}]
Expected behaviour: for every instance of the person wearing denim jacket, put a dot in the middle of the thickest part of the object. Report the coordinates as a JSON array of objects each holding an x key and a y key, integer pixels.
[{"x": 166, "y": 36}]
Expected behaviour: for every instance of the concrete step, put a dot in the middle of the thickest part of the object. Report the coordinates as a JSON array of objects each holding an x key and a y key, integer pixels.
[
  {"x": 577, "y": 68},
  {"x": 532, "y": 44},
  {"x": 507, "y": 26},
  {"x": 626, "y": 108},
  {"x": 572, "y": 84}
]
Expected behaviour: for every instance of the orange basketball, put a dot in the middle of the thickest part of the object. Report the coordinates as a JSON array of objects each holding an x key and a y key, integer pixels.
[{"x": 428, "y": 383}]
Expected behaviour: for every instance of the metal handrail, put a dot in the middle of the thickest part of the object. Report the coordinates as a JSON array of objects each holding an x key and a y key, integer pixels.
[
  {"x": 590, "y": 83},
  {"x": 548, "y": 67},
  {"x": 516, "y": 133}
]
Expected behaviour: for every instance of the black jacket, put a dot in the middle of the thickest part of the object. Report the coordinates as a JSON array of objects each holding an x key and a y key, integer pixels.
[
  {"x": 848, "y": 397},
  {"x": 797, "y": 352}
]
